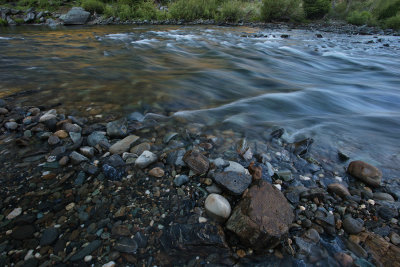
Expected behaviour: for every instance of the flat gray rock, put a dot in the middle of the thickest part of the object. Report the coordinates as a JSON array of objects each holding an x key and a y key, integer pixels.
[{"x": 234, "y": 182}]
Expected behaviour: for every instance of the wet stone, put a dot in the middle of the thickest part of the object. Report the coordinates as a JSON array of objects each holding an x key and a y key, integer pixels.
[
  {"x": 157, "y": 172},
  {"x": 53, "y": 140},
  {"x": 145, "y": 159},
  {"x": 139, "y": 149},
  {"x": 339, "y": 190},
  {"x": 77, "y": 158},
  {"x": 96, "y": 138},
  {"x": 217, "y": 207},
  {"x": 11, "y": 125},
  {"x": 126, "y": 245},
  {"x": 123, "y": 145},
  {"x": 86, "y": 250},
  {"x": 196, "y": 161},
  {"x": 117, "y": 128},
  {"x": 234, "y": 182},
  {"x": 353, "y": 226},
  {"x": 121, "y": 230},
  {"x": 383, "y": 196},
  {"x": 87, "y": 151},
  {"x": 112, "y": 173},
  {"x": 365, "y": 173},
  {"x": 49, "y": 236},
  {"x": 387, "y": 213},
  {"x": 80, "y": 179},
  {"x": 262, "y": 217},
  {"x": 14, "y": 213},
  {"x": 181, "y": 180},
  {"x": 235, "y": 167}
]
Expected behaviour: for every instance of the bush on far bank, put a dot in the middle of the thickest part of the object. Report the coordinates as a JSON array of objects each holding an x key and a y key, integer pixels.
[{"x": 286, "y": 10}]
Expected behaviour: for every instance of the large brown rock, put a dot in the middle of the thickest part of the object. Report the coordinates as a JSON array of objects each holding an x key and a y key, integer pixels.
[
  {"x": 384, "y": 253},
  {"x": 365, "y": 173},
  {"x": 262, "y": 217}
]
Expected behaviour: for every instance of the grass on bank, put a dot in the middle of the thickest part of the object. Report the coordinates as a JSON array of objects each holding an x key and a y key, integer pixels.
[{"x": 384, "y": 13}]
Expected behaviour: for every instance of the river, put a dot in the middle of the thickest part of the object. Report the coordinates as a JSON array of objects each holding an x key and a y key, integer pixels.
[{"x": 341, "y": 90}]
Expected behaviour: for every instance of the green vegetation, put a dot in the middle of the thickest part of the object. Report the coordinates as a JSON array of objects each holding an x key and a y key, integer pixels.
[
  {"x": 3, "y": 22},
  {"x": 93, "y": 6},
  {"x": 393, "y": 22},
  {"x": 383, "y": 13},
  {"x": 361, "y": 18},
  {"x": 193, "y": 9},
  {"x": 288, "y": 10},
  {"x": 316, "y": 9}
]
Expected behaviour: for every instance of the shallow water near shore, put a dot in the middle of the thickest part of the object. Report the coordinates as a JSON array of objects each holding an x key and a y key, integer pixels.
[{"x": 341, "y": 90}]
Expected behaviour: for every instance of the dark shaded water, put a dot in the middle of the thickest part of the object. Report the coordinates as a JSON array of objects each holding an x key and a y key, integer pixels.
[{"x": 341, "y": 90}]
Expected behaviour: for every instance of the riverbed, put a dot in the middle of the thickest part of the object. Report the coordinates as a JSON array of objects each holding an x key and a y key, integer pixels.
[{"x": 338, "y": 89}]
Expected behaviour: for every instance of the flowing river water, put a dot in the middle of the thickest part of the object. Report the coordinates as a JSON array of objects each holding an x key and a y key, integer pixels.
[{"x": 341, "y": 90}]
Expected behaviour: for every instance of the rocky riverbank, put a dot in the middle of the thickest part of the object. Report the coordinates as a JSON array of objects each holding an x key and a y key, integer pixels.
[
  {"x": 78, "y": 16},
  {"x": 149, "y": 190}
]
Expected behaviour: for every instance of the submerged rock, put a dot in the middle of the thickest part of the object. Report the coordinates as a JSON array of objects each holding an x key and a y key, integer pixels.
[
  {"x": 365, "y": 173},
  {"x": 197, "y": 162},
  {"x": 262, "y": 217},
  {"x": 145, "y": 159},
  {"x": 123, "y": 145},
  {"x": 117, "y": 128},
  {"x": 194, "y": 239}
]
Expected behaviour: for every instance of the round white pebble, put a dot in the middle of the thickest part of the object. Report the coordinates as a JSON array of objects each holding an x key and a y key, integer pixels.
[{"x": 217, "y": 207}]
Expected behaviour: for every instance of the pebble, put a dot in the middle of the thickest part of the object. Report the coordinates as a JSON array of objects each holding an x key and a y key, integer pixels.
[
  {"x": 157, "y": 172},
  {"x": 70, "y": 206},
  {"x": 61, "y": 134},
  {"x": 14, "y": 213},
  {"x": 47, "y": 117},
  {"x": 49, "y": 236},
  {"x": 88, "y": 258},
  {"x": 197, "y": 162},
  {"x": 202, "y": 220},
  {"x": 53, "y": 140},
  {"x": 139, "y": 149},
  {"x": 217, "y": 207},
  {"x": 77, "y": 158},
  {"x": 383, "y": 196},
  {"x": 86, "y": 250},
  {"x": 339, "y": 190},
  {"x": 352, "y": 226},
  {"x": 3, "y": 111},
  {"x": 123, "y": 145},
  {"x": 126, "y": 245},
  {"x": 11, "y": 125},
  {"x": 394, "y": 238},
  {"x": 117, "y": 128},
  {"x": 145, "y": 159},
  {"x": 87, "y": 151},
  {"x": 109, "y": 264}
]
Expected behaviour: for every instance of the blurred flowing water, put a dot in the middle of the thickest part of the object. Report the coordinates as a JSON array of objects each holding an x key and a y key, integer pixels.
[{"x": 343, "y": 91}]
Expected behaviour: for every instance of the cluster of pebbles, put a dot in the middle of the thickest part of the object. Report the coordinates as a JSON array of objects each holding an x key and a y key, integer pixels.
[{"x": 147, "y": 190}]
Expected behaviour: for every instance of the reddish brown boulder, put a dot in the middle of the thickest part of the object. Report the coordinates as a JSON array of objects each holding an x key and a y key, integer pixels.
[
  {"x": 262, "y": 217},
  {"x": 365, "y": 173},
  {"x": 384, "y": 253}
]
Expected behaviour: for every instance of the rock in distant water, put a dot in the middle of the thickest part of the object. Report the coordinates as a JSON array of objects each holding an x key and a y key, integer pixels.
[
  {"x": 365, "y": 173},
  {"x": 262, "y": 217},
  {"x": 217, "y": 207},
  {"x": 75, "y": 16}
]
